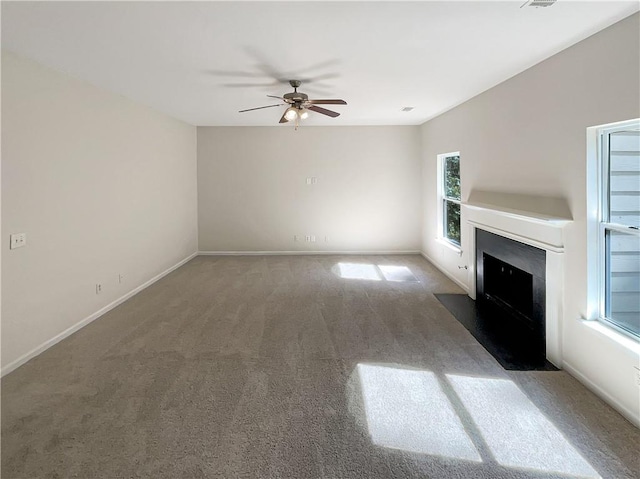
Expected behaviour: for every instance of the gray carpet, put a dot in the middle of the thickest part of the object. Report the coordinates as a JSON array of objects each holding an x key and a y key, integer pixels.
[{"x": 298, "y": 367}]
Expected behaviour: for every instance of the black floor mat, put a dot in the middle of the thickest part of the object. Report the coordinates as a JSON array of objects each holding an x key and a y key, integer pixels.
[{"x": 508, "y": 342}]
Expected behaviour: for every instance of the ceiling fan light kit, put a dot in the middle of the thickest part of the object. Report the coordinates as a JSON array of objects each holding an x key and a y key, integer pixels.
[
  {"x": 299, "y": 105},
  {"x": 290, "y": 113}
]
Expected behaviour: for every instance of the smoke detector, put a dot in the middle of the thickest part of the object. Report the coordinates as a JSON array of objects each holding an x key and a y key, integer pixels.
[{"x": 538, "y": 3}]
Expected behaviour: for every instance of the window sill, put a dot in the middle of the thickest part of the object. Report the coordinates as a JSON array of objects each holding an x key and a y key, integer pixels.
[
  {"x": 624, "y": 339},
  {"x": 450, "y": 245}
]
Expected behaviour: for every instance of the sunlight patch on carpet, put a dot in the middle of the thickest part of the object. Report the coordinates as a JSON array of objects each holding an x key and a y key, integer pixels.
[
  {"x": 407, "y": 409},
  {"x": 397, "y": 273},
  {"x": 358, "y": 271},
  {"x": 373, "y": 272},
  {"x": 515, "y": 430}
]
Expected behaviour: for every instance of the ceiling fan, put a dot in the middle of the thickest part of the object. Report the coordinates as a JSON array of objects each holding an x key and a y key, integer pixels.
[{"x": 299, "y": 105}]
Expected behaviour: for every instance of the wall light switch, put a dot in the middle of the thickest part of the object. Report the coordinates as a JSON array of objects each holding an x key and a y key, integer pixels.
[
  {"x": 309, "y": 180},
  {"x": 314, "y": 180},
  {"x": 18, "y": 240}
]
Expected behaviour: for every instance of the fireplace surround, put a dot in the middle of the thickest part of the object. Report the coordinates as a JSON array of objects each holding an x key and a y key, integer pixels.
[{"x": 540, "y": 226}]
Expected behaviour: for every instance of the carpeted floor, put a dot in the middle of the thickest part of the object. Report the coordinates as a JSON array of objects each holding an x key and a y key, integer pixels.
[{"x": 299, "y": 367}]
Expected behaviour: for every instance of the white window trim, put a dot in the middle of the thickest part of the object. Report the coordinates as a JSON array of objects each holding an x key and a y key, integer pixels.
[
  {"x": 597, "y": 179},
  {"x": 440, "y": 201}
]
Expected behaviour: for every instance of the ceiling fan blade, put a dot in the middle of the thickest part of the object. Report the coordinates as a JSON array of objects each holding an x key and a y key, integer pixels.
[
  {"x": 259, "y": 108},
  {"x": 327, "y": 102},
  {"x": 233, "y": 73},
  {"x": 284, "y": 119},
  {"x": 286, "y": 100},
  {"x": 317, "y": 78},
  {"x": 324, "y": 111},
  {"x": 249, "y": 85}
]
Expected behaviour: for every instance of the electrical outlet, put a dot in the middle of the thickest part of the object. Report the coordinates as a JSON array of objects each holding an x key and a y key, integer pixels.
[
  {"x": 296, "y": 238},
  {"x": 307, "y": 238},
  {"x": 637, "y": 370},
  {"x": 326, "y": 239},
  {"x": 98, "y": 288},
  {"x": 18, "y": 240}
]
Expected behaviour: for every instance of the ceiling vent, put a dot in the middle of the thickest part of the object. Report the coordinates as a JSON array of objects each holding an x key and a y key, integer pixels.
[
  {"x": 407, "y": 108},
  {"x": 538, "y": 3}
]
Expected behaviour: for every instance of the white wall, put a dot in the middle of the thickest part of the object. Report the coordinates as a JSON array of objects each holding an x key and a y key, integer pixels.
[
  {"x": 528, "y": 135},
  {"x": 100, "y": 185},
  {"x": 253, "y": 196}
]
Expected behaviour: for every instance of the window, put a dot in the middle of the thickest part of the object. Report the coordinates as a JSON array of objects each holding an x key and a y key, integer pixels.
[
  {"x": 618, "y": 221},
  {"x": 449, "y": 197}
]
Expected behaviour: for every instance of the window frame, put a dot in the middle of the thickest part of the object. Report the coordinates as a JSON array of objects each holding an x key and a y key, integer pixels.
[
  {"x": 443, "y": 199},
  {"x": 598, "y": 220}
]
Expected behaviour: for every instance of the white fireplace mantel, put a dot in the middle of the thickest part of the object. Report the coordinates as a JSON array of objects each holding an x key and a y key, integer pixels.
[{"x": 537, "y": 229}]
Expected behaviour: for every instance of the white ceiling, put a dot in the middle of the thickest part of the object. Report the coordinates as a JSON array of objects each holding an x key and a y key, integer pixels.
[{"x": 201, "y": 62}]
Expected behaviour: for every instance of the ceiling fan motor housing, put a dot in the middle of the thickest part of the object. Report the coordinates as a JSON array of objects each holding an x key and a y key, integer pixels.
[{"x": 296, "y": 97}]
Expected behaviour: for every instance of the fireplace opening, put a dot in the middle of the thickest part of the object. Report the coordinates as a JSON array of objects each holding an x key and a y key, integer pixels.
[{"x": 509, "y": 288}]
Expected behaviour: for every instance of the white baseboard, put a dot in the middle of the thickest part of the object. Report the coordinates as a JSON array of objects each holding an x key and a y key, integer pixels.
[
  {"x": 605, "y": 396},
  {"x": 69, "y": 331},
  {"x": 445, "y": 272},
  {"x": 302, "y": 253}
]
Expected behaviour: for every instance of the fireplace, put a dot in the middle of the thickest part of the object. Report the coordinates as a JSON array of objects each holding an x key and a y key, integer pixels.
[
  {"x": 528, "y": 220},
  {"x": 510, "y": 289}
]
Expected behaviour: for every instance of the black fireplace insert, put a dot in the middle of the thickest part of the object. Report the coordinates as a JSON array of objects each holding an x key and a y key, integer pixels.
[{"x": 510, "y": 289}]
